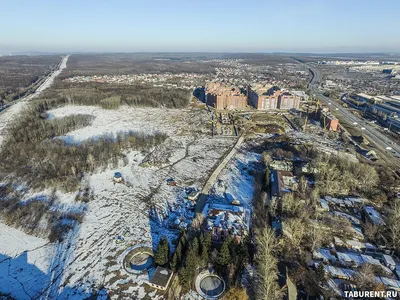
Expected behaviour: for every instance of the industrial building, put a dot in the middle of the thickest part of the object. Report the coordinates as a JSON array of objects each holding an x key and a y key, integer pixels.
[
  {"x": 385, "y": 110},
  {"x": 225, "y": 97},
  {"x": 363, "y": 98},
  {"x": 266, "y": 97}
]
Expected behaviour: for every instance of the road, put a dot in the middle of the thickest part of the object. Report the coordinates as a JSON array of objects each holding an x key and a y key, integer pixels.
[
  {"x": 380, "y": 140},
  {"x": 213, "y": 177},
  {"x": 9, "y": 114}
]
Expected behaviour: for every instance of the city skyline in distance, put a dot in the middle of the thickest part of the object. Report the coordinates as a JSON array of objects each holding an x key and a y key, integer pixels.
[{"x": 201, "y": 26}]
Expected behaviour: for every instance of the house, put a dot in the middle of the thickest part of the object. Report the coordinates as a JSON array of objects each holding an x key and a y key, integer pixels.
[
  {"x": 372, "y": 216},
  {"x": 161, "y": 278},
  {"x": 227, "y": 220},
  {"x": 281, "y": 182},
  {"x": 281, "y": 165},
  {"x": 388, "y": 261},
  {"x": 193, "y": 195},
  {"x": 341, "y": 273}
]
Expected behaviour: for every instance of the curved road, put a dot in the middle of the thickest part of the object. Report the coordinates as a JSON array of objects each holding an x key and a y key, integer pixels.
[{"x": 379, "y": 139}]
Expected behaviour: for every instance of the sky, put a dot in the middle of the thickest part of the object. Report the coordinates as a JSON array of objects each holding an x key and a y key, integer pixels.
[{"x": 320, "y": 26}]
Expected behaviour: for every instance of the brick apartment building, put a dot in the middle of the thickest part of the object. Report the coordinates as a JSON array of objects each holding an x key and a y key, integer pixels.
[
  {"x": 267, "y": 98},
  {"x": 326, "y": 119},
  {"x": 330, "y": 122},
  {"x": 225, "y": 97}
]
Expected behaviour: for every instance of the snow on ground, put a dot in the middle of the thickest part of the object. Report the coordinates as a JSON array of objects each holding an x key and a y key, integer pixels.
[
  {"x": 24, "y": 263},
  {"x": 89, "y": 257},
  {"x": 146, "y": 120},
  {"x": 236, "y": 181},
  {"x": 10, "y": 114}
]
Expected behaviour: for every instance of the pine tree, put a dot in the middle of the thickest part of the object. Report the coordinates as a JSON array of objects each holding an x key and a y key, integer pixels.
[
  {"x": 207, "y": 240},
  {"x": 162, "y": 254},
  {"x": 191, "y": 262},
  {"x": 174, "y": 262},
  {"x": 178, "y": 251},
  {"x": 224, "y": 257},
  {"x": 195, "y": 245},
  {"x": 183, "y": 278},
  {"x": 204, "y": 255},
  {"x": 183, "y": 238}
]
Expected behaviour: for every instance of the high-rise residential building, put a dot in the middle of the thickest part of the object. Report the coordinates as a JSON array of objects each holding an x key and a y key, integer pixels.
[
  {"x": 267, "y": 97},
  {"x": 225, "y": 97}
]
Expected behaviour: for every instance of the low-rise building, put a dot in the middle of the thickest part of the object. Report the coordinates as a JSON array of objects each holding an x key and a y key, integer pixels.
[
  {"x": 363, "y": 98},
  {"x": 161, "y": 278},
  {"x": 372, "y": 216},
  {"x": 282, "y": 182},
  {"x": 384, "y": 110},
  {"x": 227, "y": 220}
]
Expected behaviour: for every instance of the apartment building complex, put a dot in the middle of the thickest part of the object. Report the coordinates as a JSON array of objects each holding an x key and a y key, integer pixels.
[
  {"x": 225, "y": 97},
  {"x": 267, "y": 97}
]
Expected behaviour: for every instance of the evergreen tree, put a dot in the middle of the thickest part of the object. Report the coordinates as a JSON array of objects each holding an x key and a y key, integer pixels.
[
  {"x": 174, "y": 262},
  {"x": 183, "y": 239},
  {"x": 195, "y": 245},
  {"x": 178, "y": 251},
  {"x": 224, "y": 257},
  {"x": 162, "y": 254},
  {"x": 207, "y": 239},
  {"x": 183, "y": 278},
  {"x": 204, "y": 255},
  {"x": 191, "y": 262}
]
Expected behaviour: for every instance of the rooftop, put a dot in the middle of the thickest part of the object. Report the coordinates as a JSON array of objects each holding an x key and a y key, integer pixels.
[{"x": 161, "y": 277}]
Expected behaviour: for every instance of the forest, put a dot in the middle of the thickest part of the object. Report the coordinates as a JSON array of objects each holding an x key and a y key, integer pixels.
[
  {"x": 42, "y": 160},
  {"x": 19, "y": 72},
  {"x": 111, "y": 96}
]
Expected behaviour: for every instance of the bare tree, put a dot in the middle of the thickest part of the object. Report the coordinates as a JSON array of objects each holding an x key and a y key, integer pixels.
[
  {"x": 266, "y": 275},
  {"x": 394, "y": 224}
]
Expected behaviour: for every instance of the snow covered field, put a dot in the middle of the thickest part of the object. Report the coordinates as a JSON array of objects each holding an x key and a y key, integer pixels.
[{"x": 89, "y": 259}]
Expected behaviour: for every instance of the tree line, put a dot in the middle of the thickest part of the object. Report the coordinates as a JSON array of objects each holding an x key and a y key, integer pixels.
[
  {"x": 192, "y": 255},
  {"x": 140, "y": 95}
]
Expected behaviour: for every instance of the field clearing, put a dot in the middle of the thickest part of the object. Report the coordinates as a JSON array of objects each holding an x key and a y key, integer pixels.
[{"x": 89, "y": 257}]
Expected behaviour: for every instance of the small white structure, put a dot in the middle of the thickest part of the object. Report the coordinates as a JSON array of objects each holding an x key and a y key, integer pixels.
[{"x": 117, "y": 177}]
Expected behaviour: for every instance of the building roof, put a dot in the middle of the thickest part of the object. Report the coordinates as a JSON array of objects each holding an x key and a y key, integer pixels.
[
  {"x": 389, "y": 260},
  {"x": 366, "y": 96},
  {"x": 373, "y": 215},
  {"x": 161, "y": 277}
]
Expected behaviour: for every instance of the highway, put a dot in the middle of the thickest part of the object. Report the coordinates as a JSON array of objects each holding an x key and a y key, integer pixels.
[
  {"x": 380, "y": 140},
  {"x": 8, "y": 115}
]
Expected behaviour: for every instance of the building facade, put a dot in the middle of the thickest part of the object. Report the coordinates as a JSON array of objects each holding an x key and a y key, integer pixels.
[
  {"x": 225, "y": 97},
  {"x": 268, "y": 98}
]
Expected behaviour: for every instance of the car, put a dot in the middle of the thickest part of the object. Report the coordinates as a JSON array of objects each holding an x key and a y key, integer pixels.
[
  {"x": 329, "y": 103},
  {"x": 355, "y": 123},
  {"x": 388, "y": 148},
  {"x": 362, "y": 128},
  {"x": 336, "y": 108}
]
